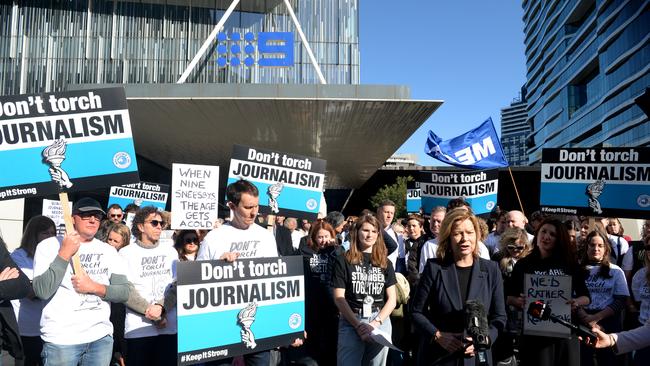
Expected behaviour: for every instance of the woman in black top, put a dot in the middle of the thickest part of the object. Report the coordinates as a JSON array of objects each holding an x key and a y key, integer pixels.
[
  {"x": 551, "y": 255},
  {"x": 321, "y": 312},
  {"x": 364, "y": 292},
  {"x": 456, "y": 275}
]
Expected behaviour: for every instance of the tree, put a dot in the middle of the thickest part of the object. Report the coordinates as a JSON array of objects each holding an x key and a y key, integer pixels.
[{"x": 395, "y": 192}]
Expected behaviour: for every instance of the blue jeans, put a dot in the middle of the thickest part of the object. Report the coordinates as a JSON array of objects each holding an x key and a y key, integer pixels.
[
  {"x": 96, "y": 353},
  {"x": 353, "y": 351}
]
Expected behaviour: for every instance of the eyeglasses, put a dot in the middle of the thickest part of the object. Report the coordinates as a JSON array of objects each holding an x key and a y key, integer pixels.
[
  {"x": 515, "y": 247},
  {"x": 116, "y": 215},
  {"x": 191, "y": 239},
  {"x": 155, "y": 223},
  {"x": 88, "y": 215}
]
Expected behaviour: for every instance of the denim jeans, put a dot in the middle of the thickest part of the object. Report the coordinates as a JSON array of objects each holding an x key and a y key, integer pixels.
[
  {"x": 353, "y": 351},
  {"x": 96, "y": 353}
]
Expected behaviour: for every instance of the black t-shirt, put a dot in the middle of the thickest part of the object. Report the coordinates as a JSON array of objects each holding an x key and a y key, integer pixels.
[
  {"x": 464, "y": 275},
  {"x": 553, "y": 266},
  {"x": 318, "y": 267},
  {"x": 361, "y": 280}
]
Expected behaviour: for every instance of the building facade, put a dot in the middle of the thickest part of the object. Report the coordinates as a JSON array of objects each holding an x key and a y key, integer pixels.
[
  {"x": 515, "y": 130},
  {"x": 46, "y": 45},
  {"x": 587, "y": 61}
]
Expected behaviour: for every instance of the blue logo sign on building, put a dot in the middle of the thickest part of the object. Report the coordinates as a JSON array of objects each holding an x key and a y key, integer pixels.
[{"x": 269, "y": 49}]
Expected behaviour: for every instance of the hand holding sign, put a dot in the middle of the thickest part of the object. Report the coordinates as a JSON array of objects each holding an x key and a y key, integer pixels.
[
  {"x": 84, "y": 284},
  {"x": 70, "y": 245}
]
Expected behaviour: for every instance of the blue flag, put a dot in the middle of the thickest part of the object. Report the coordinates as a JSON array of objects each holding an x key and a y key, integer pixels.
[{"x": 479, "y": 148}]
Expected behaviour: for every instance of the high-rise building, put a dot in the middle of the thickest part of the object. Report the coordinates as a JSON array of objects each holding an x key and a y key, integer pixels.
[
  {"x": 514, "y": 130},
  {"x": 202, "y": 75},
  {"x": 48, "y": 46},
  {"x": 587, "y": 61}
]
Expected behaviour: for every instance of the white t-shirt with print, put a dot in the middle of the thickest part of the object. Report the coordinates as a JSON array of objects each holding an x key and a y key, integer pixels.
[
  {"x": 70, "y": 317},
  {"x": 151, "y": 271},
  {"x": 641, "y": 292},
  {"x": 28, "y": 311},
  {"x": 602, "y": 290},
  {"x": 253, "y": 242}
]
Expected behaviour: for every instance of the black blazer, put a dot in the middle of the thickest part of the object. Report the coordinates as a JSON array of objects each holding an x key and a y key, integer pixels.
[{"x": 437, "y": 304}]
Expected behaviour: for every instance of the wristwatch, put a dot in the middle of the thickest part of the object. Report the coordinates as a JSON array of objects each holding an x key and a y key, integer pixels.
[{"x": 162, "y": 307}]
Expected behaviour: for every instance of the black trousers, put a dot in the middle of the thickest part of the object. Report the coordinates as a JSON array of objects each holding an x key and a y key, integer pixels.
[{"x": 159, "y": 350}]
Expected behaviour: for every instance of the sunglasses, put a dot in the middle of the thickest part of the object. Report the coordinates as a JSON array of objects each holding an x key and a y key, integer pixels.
[
  {"x": 191, "y": 239},
  {"x": 88, "y": 215},
  {"x": 116, "y": 215},
  {"x": 515, "y": 247},
  {"x": 155, "y": 223}
]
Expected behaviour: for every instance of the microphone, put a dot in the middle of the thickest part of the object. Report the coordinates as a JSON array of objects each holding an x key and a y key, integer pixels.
[
  {"x": 540, "y": 310},
  {"x": 477, "y": 328}
]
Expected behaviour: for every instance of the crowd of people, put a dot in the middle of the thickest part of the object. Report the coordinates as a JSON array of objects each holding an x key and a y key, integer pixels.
[{"x": 105, "y": 294}]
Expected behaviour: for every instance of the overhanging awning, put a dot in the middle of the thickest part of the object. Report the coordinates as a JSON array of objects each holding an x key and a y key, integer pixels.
[{"x": 354, "y": 127}]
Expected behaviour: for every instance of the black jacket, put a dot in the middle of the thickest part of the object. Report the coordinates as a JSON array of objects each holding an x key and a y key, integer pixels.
[
  {"x": 15, "y": 288},
  {"x": 437, "y": 304}
]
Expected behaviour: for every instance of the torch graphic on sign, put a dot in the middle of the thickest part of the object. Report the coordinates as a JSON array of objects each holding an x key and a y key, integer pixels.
[
  {"x": 594, "y": 191},
  {"x": 245, "y": 318},
  {"x": 54, "y": 156},
  {"x": 274, "y": 192}
]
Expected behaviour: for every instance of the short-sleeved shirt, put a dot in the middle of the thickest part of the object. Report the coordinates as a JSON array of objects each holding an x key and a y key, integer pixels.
[
  {"x": 151, "y": 271},
  {"x": 362, "y": 280},
  {"x": 318, "y": 267},
  {"x": 603, "y": 290},
  {"x": 641, "y": 292},
  {"x": 68, "y": 316},
  {"x": 253, "y": 242}
]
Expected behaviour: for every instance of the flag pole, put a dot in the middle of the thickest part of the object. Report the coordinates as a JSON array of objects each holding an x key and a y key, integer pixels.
[{"x": 516, "y": 191}]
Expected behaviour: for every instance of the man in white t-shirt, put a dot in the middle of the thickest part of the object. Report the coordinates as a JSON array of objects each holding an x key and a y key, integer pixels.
[
  {"x": 75, "y": 325},
  {"x": 240, "y": 238},
  {"x": 150, "y": 322}
]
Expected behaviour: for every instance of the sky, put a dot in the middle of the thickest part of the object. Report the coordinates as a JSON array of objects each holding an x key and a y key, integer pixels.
[{"x": 468, "y": 53}]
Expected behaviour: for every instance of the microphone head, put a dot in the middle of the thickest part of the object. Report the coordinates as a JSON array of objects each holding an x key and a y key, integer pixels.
[
  {"x": 539, "y": 310},
  {"x": 477, "y": 324}
]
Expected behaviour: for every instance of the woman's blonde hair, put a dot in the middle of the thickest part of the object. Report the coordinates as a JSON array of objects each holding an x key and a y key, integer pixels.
[
  {"x": 122, "y": 230},
  {"x": 510, "y": 236},
  {"x": 453, "y": 217},
  {"x": 379, "y": 256}
]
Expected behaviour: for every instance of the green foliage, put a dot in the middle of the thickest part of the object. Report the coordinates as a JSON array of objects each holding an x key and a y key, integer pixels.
[{"x": 395, "y": 192}]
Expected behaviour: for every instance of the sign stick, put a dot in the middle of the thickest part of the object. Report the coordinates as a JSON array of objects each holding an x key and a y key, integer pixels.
[
  {"x": 67, "y": 217},
  {"x": 516, "y": 191}
]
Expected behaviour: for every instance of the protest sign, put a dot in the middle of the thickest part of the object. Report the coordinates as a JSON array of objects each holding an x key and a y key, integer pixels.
[
  {"x": 141, "y": 193},
  {"x": 54, "y": 211},
  {"x": 608, "y": 182},
  {"x": 290, "y": 185},
  {"x": 413, "y": 200},
  {"x": 555, "y": 291},
  {"x": 68, "y": 141},
  {"x": 195, "y": 191},
  {"x": 230, "y": 309},
  {"x": 479, "y": 188}
]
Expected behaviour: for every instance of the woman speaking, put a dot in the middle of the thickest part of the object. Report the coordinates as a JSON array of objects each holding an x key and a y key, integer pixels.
[{"x": 457, "y": 275}]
